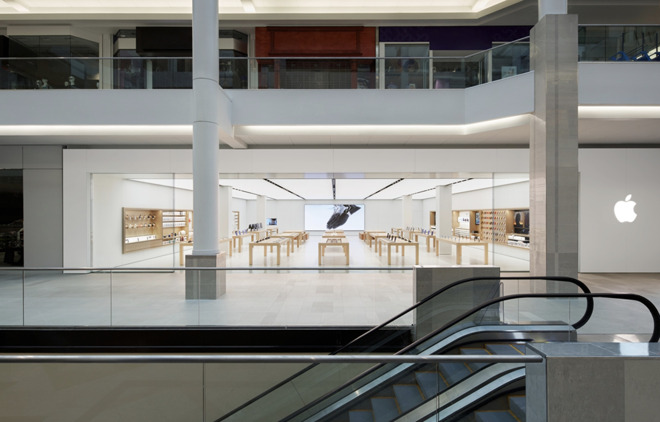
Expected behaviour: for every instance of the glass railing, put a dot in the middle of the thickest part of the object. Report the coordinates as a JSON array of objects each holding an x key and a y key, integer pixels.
[
  {"x": 268, "y": 72},
  {"x": 433, "y": 313},
  {"x": 168, "y": 297},
  {"x": 599, "y": 43}
]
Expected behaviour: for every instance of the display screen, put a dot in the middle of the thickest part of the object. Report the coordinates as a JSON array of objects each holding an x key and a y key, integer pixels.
[
  {"x": 521, "y": 221},
  {"x": 334, "y": 216},
  {"x": 271, "y": 221}
]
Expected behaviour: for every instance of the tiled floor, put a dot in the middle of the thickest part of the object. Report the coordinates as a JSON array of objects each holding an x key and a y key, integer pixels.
[{"x": 274, "y": 296}]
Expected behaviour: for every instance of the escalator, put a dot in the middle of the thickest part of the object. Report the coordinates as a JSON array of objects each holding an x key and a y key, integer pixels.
[{"x": 471, "y": 317}]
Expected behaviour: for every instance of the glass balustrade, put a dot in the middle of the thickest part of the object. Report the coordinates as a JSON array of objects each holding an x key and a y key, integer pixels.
[{"x": 596, "y": 43}]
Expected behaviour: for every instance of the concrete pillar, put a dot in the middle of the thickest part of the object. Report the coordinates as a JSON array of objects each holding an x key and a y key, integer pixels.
[
  {"x": 605, "y": 382},
  {"x": 443, "y": 214},
  {"x": 205, "y": 284},
  {"x": 407, "y": 211},
  {"x": 554, "y": 148},
  {"x": 552, "y": 7},
  {"x": 453, "y": 303}
]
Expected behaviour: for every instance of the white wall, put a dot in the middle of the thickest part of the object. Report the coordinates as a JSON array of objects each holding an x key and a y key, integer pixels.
[
  {"x": 112, "y": 192},
  {"x": 607, "y": 176}
]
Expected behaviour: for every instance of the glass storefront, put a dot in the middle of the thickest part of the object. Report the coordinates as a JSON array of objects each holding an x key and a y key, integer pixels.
[{"x": 11, "y": 217}]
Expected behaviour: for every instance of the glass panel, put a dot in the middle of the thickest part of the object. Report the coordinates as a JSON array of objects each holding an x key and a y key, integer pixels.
[
  {"x": 406, "y": 66},
  {"x": 511, "y": 208},
  {"x": 163, "y": 298},
  {"x": 11, "y": 297},
  {"x": 618, "y": 43},
  {"x": 11, "y": 218},
  {"x": 54, "y": 298}
]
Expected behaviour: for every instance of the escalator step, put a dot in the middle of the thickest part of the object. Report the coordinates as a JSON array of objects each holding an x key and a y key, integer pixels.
[
  {"x": 454, "y": 372},
  {"x": 494, "y": 416},
  {"x": 431, "y": 383},
  {"x": 518, "y": 405},
  {"x": 408, "y": 396},
  {"x": 360, "y": 416},
  {"x": 475, "y": 351},
  {"x": 504, "y": 349},
  {"x": 385, "y": 409}
]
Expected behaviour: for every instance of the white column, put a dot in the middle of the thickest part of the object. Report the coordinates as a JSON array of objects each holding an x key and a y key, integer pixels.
[
  {"x": 225, "y": 216},
  {"x": 261, "y": 210},
  {"x": 205, "y": 126},
  {"x": 407, "y": 211},
  {"x": 443, "y": 213},
  {"x": 552, "y": 7}
]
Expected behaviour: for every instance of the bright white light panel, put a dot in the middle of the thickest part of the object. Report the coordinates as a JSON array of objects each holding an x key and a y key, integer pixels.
[
  {"x": 359, "y": 188},
  {"x": 308, "y": 188},
  {"x": 259, "y": 187},
  {"x": 411, "y": 186}
]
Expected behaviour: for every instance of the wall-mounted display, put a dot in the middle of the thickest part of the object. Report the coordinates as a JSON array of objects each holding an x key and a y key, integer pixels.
[
  {"x": 151, "y": 228},
  {"x": 333, "y": 216}
]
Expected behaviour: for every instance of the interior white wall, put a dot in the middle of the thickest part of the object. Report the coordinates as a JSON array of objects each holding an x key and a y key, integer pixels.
[
  {"x": 112, "y": 192},
  {"x": 607, "y": 176}
]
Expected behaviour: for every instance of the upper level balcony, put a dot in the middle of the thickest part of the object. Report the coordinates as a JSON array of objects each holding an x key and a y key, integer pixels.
[{"x": 481, "y": 99}]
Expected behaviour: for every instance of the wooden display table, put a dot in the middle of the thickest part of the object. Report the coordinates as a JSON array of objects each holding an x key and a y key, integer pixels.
[
  {"x": 332, "y": 242},
  {"x": 271, "y": 242},
  {"x": 291, "y": 237},
  {"x": 238, "y": 238},
  {"x": 300, "y": 235},
  {"x": 184, "y": 244},
  {"x": 334, "y": 235},
  {"x": 460, "y": 242},
  {"x": 271, "y": 230},
  {"x": 370, "y": 236},
  {"x": 430, "y": 239},
  {"x": 396, "y": 243},
  {"x": 397, "y": 231}
]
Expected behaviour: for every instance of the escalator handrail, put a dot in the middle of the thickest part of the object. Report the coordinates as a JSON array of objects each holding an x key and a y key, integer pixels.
[
  {"x": 569, "y": 280},
  {"x": 655, "y": 336}
]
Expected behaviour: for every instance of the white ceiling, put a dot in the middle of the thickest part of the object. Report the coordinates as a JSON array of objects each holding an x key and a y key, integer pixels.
[
  {"x": 345, "y": 189},
  {"x": 254, "y": 6}
]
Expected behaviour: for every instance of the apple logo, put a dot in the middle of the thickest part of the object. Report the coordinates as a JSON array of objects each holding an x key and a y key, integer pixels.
[{"x": 625, "y": 210}]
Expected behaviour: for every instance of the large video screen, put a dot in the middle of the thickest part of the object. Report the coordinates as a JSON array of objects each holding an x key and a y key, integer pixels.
[{"x": 334, "y": 216}]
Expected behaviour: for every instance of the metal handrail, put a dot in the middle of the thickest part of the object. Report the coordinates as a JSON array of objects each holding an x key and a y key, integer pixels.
[
  {"x": 149, "y": 269},
  {"x": 220, "y": 358}
]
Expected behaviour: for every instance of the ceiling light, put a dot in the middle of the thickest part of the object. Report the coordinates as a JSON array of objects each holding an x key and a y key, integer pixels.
[
  {"x": 619, "y": 112},
  {"x": 37, "y": 130},
  {"x": 248, "y": 6},
  {"x": 18, "y": 5}
]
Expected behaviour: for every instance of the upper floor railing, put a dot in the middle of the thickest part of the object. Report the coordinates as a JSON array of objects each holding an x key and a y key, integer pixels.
[
  {"x": 595, "y": 44},
  {"x": 268, "y": 72}
]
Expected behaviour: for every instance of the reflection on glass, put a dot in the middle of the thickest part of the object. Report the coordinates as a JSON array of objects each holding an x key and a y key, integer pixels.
[
  {"x": 406, "y": 66},
  {"x": 11, "y": 218},
  {"x": 58, "y": 63},
  {"x": 54, "y": 298},
  {"x": 618, "y": 43}
]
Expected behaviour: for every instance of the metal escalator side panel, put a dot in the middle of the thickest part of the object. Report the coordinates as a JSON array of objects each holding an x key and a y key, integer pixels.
[
  {"x": 375, "y": 380},
  {"x": 476, "y": 395}
]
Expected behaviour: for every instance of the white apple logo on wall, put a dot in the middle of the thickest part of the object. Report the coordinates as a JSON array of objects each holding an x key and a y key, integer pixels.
[{"x": 624, "y": 211}]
